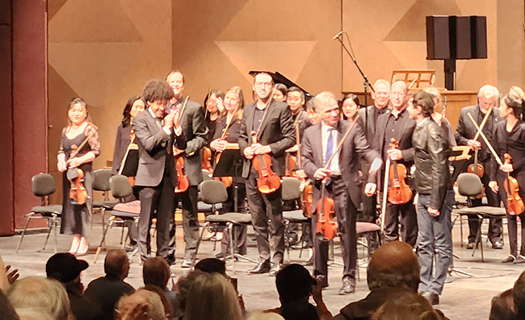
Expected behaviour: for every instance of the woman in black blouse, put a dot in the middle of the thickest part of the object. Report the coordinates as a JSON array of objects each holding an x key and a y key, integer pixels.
[
  {"x": 509, "y": 137},
  {"x": 79, "y": 133}
]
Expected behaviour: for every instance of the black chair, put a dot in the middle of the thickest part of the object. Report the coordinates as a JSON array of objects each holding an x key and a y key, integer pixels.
[
  {"x": 101, "y": 183},
  {"x": 469, "y": 185},
  {"x": 43, "y": 185},
  {"x": 123, "y": 213},
  {"x": 291, "y": 191},
  {"x": 213, "y": 192}
]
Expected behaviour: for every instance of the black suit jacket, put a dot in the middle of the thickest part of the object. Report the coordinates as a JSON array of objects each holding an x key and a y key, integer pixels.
[
  {"x": 466, "y": 130},
  {"x": 195, "y": 132},
  {"x": 154, "y": 147},
  {"x": 276, "y": 131},
  {"x": 354, "y": 146}
]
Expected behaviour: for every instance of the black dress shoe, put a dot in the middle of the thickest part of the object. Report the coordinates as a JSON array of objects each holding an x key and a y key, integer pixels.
[
  {"x": 261, "y": 267},
  {"x": 322, "y": 280},
  {"x": 170, "y": 259},
  {"x": 347, "y": 287},
  {"x": 432, "y": 298},
  {"x": 497, "y": 244}
]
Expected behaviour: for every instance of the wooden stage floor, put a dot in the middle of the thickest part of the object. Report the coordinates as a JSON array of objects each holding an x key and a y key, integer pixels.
[{"x": 463, "y": 298}]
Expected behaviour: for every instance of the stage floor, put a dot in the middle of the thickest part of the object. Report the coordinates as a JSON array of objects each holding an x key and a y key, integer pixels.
[{"x": 463, "y": 297}]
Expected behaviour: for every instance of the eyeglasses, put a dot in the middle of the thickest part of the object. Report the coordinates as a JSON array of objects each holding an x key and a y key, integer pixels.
[{"x": 261, "y": 84}]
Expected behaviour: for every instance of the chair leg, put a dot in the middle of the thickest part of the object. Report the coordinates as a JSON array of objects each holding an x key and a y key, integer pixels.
[
  {"x": 56, "y": 225},
  {"x": 200, "y": 237},
  {"x": 49, "y": 229},
  {"x": 103, "y": 240},
  {"x": 28, "y": 219},
  {"x": 229, "y": 229}
]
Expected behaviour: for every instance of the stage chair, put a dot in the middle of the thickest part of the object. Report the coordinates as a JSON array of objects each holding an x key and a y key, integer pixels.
[
  {"x": 469, "y": 185},
  {"x": 43, "y": 185},
  {"x": 123, "y": 212},
  {"x": 101, "y": 183},
  {"x": 213, "y": 192}
]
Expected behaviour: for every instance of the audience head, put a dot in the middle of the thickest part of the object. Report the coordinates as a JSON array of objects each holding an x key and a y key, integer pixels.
[
  {"x": 409, "y": 306},
  {"x": 116, "y": 264},
  {"x": 261, "y": 315},
  {"x": 7, "y": 311},
  {"x": 394, "y": 264},
  {"x": 212, "y": 297},
  {"x": 293, "y": 283},
  {"x": 47, "y": 296},
  {"x": 502, "y": 307},
  {"x": 168, "y": 309},
  {"x": 148, "y": 301},
  {"x": 65, "y": 267},
  {"x": 156, "y": 271},
  {"x": 518, "y": 293},
  {"x": 32, "y": 314},
  {"x": 211, "y": 265}
]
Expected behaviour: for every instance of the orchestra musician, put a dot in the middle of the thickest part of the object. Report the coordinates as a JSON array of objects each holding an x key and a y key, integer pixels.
[
  {"x": 488, "y": 97},
  {"x": 227, "y": 133},
  {"x": 435, "y": 196},
  {"x": 395, "y": 124},
  {"x": 213, "y": 102},
  {"x": 509, "y": 137},
  {"x": 79, "y": 145},
  {"x": 271, "y": 122},
  {"x": 194, "y": 131},
  {"x": 349, "y": 107},
  {"x": 279, "y": 92},
  {"x": 156, "y": 131},
  {"x": 318, "y": 145},
  {"x": 367, "y": 119}
]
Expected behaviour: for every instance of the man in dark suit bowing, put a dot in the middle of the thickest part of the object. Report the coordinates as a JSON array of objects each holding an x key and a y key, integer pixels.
[
  {"x": 271, "y": 123},
  {"x": 319, "y": 144},
  {"x": 194, "y": 131},
  {"x": 396, "y": 124},
  {"x": 156, "y": 132}
]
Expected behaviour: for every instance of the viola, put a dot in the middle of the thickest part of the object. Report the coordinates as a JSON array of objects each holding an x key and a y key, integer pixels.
[
  {"x": 307, "y": 199},
  {"x": 226, "y": 181},
  {"x": 290, "y": 165},
  {"x": 476, "y": 167},
  {"x": 77, "y": 192},
  {"x": 268, "y": 180},
  {"x": 398, "y": 191},
  {"x": 515, "y": 204},
  {"x": 326, "y": 227},
  {"x": 182, "y": 180},
  {"x": 206, "y": 159}
]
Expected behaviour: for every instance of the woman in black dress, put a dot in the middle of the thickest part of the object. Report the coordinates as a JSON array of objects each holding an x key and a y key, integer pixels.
[
  {"x": 79, "y": 145},
  {"x": 509, "y": 137}
]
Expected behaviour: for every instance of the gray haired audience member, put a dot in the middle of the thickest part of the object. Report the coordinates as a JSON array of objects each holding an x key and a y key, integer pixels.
[
  {"x": 7, "y": 312},
  {"x": 407, "y": 306},
  {"x": 45, "y": 296},
  {"x": 107, "y": 290},
  {"x": 142, "y": 304}
]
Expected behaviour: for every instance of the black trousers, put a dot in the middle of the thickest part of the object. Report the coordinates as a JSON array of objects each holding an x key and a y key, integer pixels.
[
  {"x": 267, "y": 220},
  {"x": 405, "y": 216},
  {"x": 495, "y": 225},
  {"x": 159, "y": 199},
  {"x": 346, "y": 214},
  {"x": 190, "y": 223}
]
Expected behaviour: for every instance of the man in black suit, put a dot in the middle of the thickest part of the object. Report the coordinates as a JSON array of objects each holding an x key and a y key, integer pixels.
[
  {"x": 319, "y": 144},
  {"x": 466, "y": 131},
  {"x": 395, "y": 123},
  {"x": 194, "y": 131},
  {"x": 156, "y": 132},
  {"x": 271, "y": 124}
]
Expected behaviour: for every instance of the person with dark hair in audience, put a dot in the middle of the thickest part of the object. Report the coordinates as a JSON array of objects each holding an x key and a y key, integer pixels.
[
  {"x": 156, "y": 271},
  {"x": 211, "y": 265},
  {"x": 66, "y": 268},
  {"x": 7, "y": 312},
  {"x": 279, "y": 92},
  {"x": 502, "y": 307},
  {"x": 518, "y": 294},
  {"x": 107, "y": 290},
  {"x": 407, "y": 306},
  {"x": 295, "y": 285}
]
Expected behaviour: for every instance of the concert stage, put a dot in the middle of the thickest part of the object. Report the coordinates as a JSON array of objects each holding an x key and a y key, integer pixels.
[{"x": 463, "y": 298}]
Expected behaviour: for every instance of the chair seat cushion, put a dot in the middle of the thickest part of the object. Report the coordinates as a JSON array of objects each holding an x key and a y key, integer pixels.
[
  {"x": 50, "y": 209},
  {"x": 233, "y": 217},
  {"x": 482, "y": 210},
  {"x": 295, "y": 216},
  {"x": 124, "y": 214},
  {"x": 128, "y": 207},
  {"x": 364, "y": 227},
  {"x": 108, "y": 204},
  {"x": 204, "y": 207}
]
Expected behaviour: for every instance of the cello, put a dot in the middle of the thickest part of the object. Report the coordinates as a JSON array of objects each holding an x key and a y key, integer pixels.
[
  {"x": 515, "y": 204},
  {"x": 398, "y": 191},
  {"x": 182, "y": 180}
]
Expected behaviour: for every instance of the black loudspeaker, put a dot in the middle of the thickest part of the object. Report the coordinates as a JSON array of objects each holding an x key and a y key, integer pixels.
[{"x": 452, "y": 37}]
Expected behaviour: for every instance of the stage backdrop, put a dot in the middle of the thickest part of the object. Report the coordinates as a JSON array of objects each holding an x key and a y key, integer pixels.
[{"x": 105, "y": 50}]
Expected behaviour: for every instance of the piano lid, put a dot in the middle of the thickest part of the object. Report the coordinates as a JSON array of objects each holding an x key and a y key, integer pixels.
[{"x": 280, "y": 78}]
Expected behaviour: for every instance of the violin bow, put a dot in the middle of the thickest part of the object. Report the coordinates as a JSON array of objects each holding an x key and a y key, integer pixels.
[
  {"x": 494, "y": 153},
  {"x": 340, "y": 144}
]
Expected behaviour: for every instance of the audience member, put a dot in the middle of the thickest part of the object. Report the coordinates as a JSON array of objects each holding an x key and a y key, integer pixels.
[
  {"x": 212, "y": 297},
  {"x": 168, "y": 307},
  {"x": 156, "y": 272},
  {"x": 211, "y": 265},
  {"x": 502, "y": 307},
  {"x": 141, "y": 305},
  {"x": 107, "y": 290},
  {"x": 43, "y": 295},
  {"x": 262, "y": 315},
  {"x": 66, "y": 268},
  {"x": 518, "y": 294},
  {"x": 392, "y": 271},
  {"x": 407, "y": 306},
  {"x": 32, "y": 314},
  {"x": 7, "y": 312}
]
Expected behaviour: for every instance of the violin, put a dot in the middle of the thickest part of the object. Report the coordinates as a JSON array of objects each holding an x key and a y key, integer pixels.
[
  {"x": 326, "y": 227},
  {"x": 515, "y": 204},
  {"x": 307, "y": 199},
  {"x": 476, "y": 167},
  {"x": 398, "y": 191},
  {"x": 206, "y": 159},
  {"x": 268, "y": 181},
  {"x": 182, "y": 180},
  {"x": 77, "y": 192},
  {"x": 226, "y": 181},
  {"x": 290, "y": 165}
]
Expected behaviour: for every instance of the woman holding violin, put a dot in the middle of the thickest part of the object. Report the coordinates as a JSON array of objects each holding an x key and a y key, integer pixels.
[
  {"x": 79, "y": 145},
  {"x": 227, "y": 135},
  {"x": 509, "y": 137}
]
